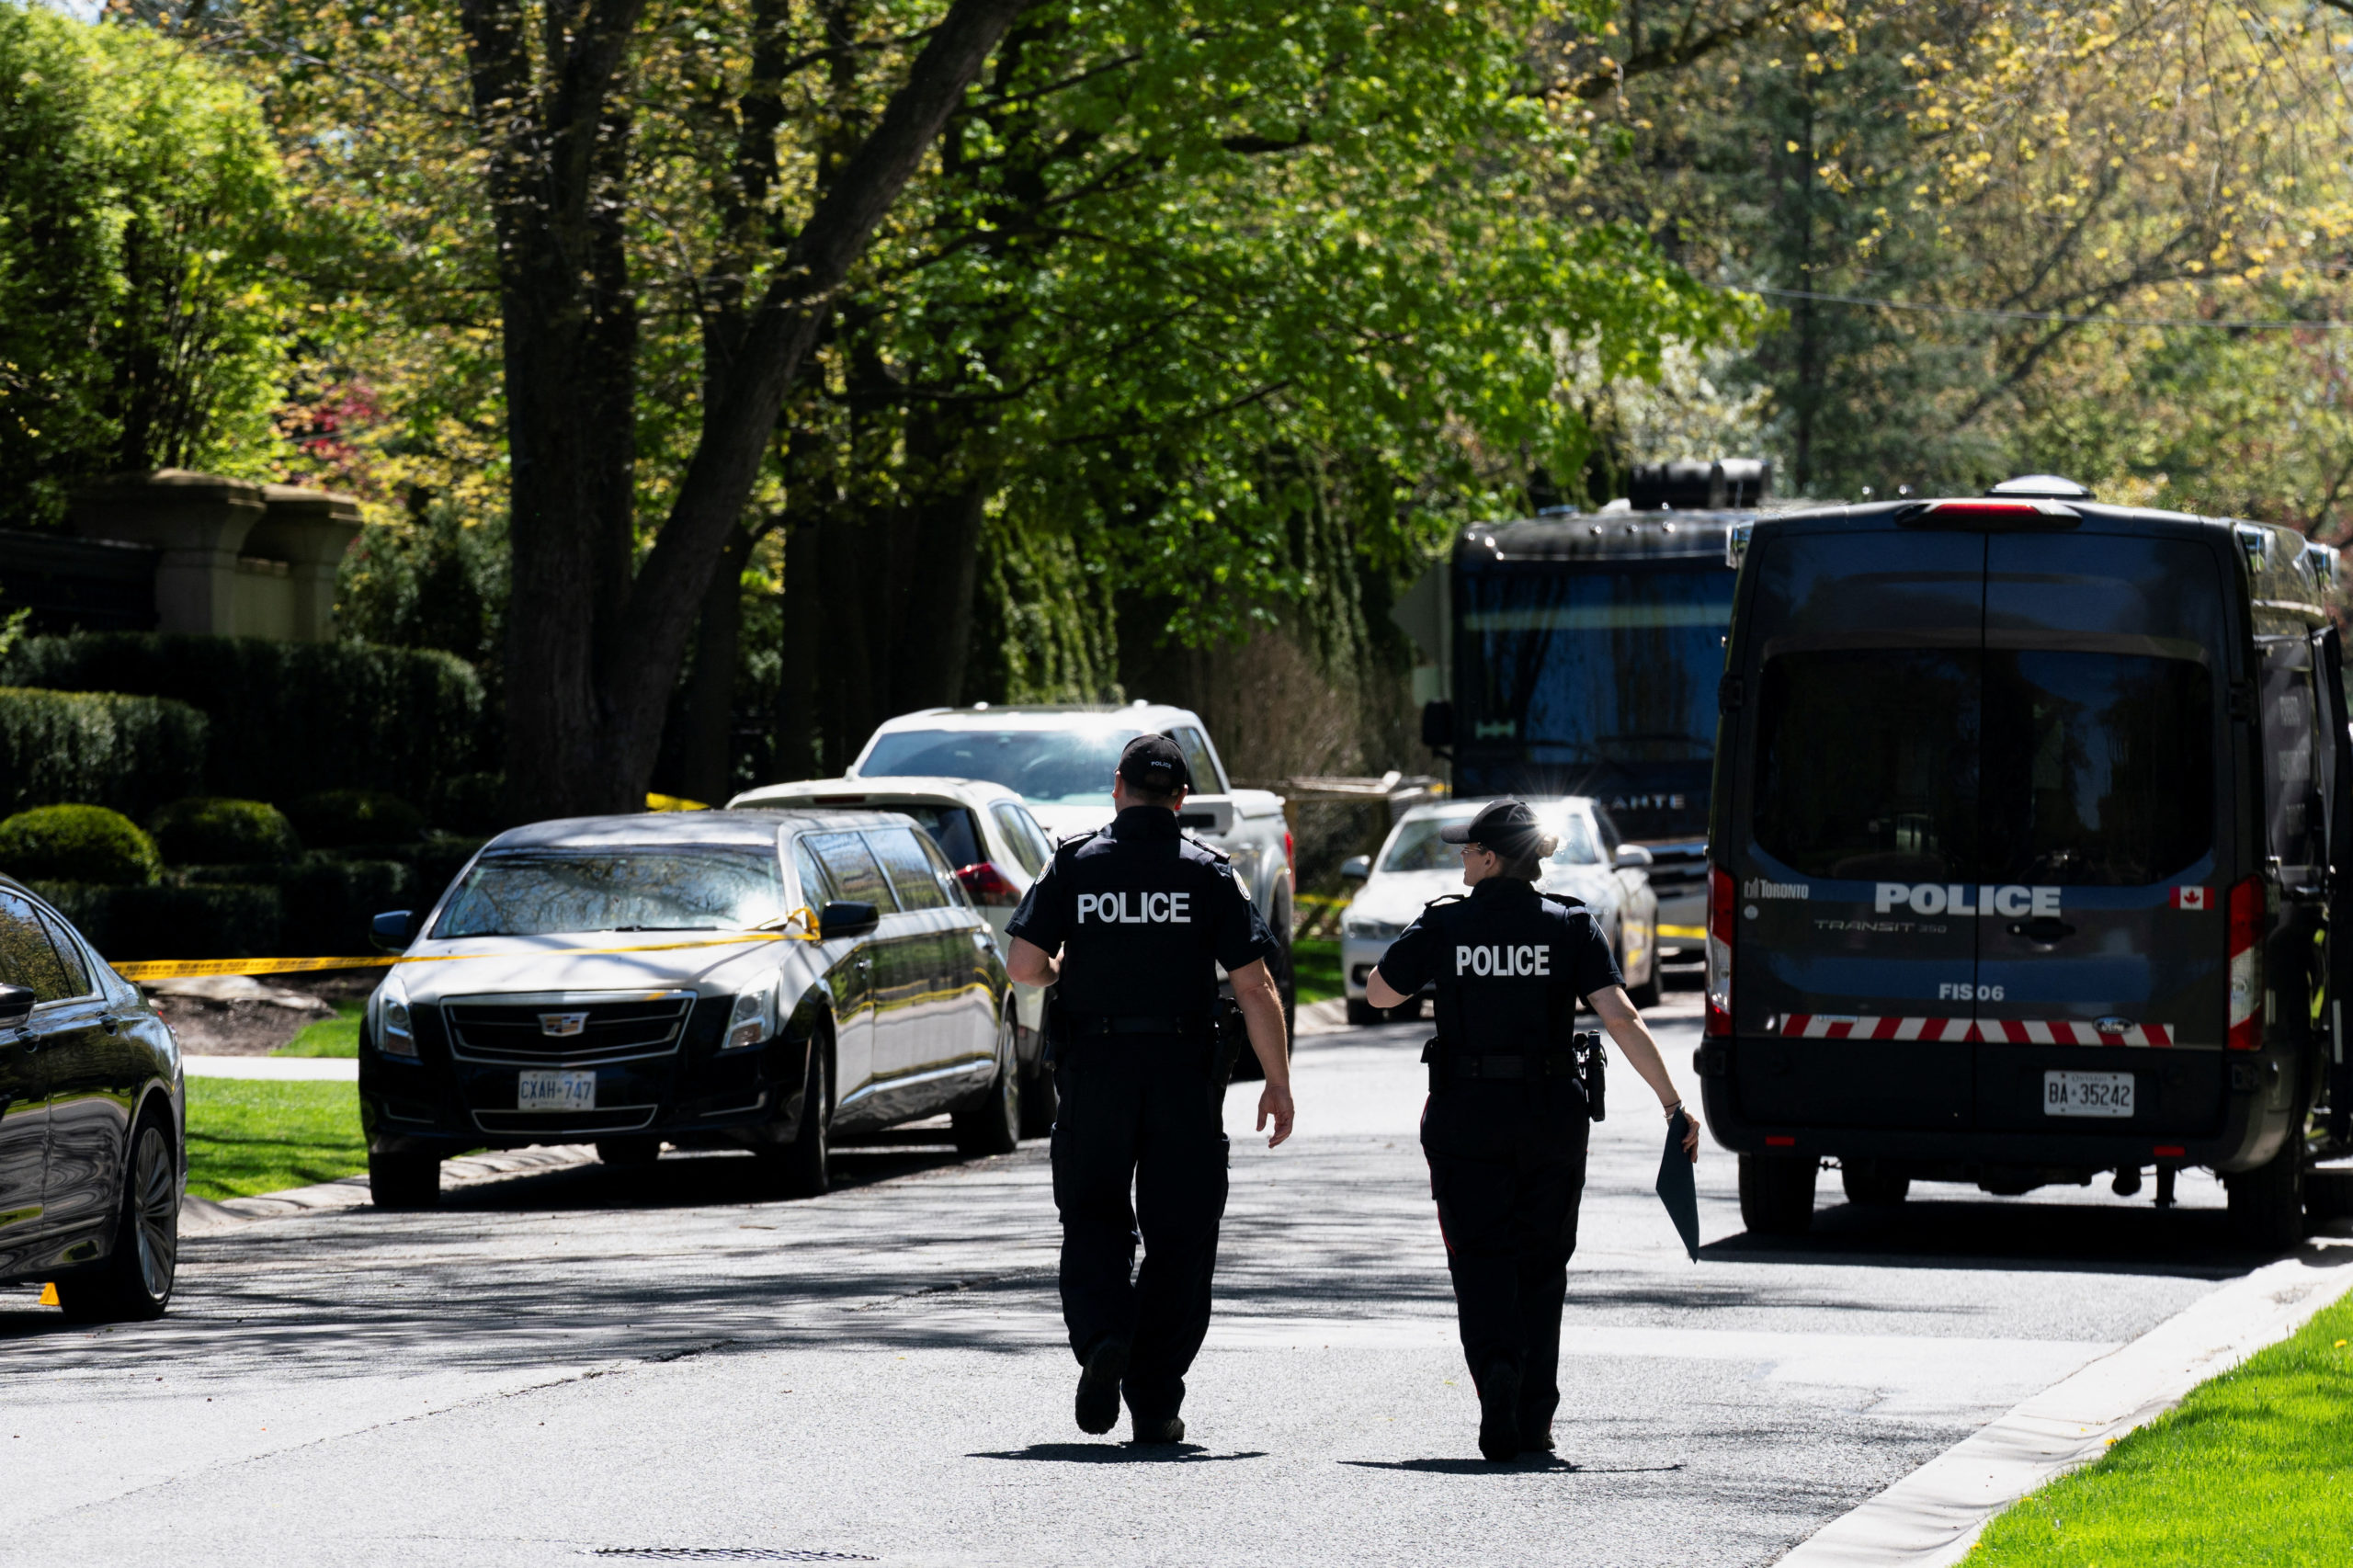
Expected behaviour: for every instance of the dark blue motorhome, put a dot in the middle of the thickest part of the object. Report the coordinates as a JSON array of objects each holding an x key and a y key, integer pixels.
[
  {"x": 1578, "y": 654},
  {"x": 2024, "y": 813}
]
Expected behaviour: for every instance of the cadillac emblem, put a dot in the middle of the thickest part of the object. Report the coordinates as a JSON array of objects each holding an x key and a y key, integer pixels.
[{"x": 563, "y": 1026}]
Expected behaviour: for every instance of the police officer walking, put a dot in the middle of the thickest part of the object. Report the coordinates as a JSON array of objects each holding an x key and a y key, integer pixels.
[
  {"x": 1131, "y": 923},
  {"x": 1506, "y": 1125}
]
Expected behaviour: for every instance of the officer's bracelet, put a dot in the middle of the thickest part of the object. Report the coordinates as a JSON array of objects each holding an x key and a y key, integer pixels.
[{"x": 1670, "y": 1110}]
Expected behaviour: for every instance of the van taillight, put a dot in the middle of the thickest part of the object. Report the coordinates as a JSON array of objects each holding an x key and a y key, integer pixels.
[
  {"x": 1721, "y": 914},
  {"x": 2247, "y": 966}
]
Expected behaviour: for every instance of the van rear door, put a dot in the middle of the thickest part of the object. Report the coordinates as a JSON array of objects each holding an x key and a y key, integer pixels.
[
  {"x": 2103, "y": 731},
  {"x": 1862, "y": 653}
]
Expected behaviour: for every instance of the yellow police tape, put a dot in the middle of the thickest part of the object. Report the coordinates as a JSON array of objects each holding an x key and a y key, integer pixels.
[
  {"x": 184, "y": 969},
  {"x": 1684, "y": 933}
]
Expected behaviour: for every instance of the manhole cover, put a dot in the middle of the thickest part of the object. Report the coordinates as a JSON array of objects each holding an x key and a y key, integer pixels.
[{"x": 728, "y": 1554}]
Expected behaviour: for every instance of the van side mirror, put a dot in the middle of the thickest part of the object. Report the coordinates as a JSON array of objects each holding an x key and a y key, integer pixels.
[
  {"x": 1631, "y": 856},
  {"x": 15, "y": 1004},
  {"x": 1357, "y": 868},
  {"x": 847, "y": 917},
  {"x": 395, "y": 929},
  {"x": 1437, "y": 723}
]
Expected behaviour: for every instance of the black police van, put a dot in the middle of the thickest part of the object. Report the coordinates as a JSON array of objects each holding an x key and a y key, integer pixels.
[{"x": 2020, "y": 847}]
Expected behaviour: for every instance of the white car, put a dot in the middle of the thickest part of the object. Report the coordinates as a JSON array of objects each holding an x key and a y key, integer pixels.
[
  {"x": 1416, "y": 866},
  {"x": 997, "y": 850},
  {"x": 1061, "y": 759}
]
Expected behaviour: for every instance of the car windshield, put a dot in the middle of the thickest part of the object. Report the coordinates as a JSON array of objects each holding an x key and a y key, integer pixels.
[
  {"x": 530, "y": 893},
  {"x": 1417, "y": 846},
  {"x": 1051, "y": 767}
]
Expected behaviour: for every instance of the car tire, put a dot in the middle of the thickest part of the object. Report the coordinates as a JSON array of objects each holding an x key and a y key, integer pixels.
[
  {"x": 135, "y": 1284},
  {"x": 1363, "y": 1014},
  {"x": 1777, "y": 1195},
  {"x": 628, "y": 1153},
  {"x": 803, "y": 1168},
  {"x": 992, "y": 1125},
  {"x": 404, "y": 1180},
  {"x": 2267, "y": 1202},
  {"x": 1871, "y": 1184}
]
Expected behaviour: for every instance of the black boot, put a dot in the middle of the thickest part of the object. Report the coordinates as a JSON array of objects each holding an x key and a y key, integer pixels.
[
  {"x": 1499, "y": 1413},
  {"x": 1168, "y": 1429},
  {"x": 1098, "y": 1386}
]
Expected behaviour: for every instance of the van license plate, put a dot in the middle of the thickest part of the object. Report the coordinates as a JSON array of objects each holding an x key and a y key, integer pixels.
[
  {"x": 555, "y": 1091},
  {"x": 2087, "y": 1093}
]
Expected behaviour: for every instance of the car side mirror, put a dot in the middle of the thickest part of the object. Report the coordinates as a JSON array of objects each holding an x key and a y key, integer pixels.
[
  {"x": 1631, "y": 856},
  {"x": 1357, "y": 868},
  {"x": 15, "y": 1005},
  {"x": 1437, "y": 723},
  {"x": 847, "y": 917},
  {"x": 393, "y": 930}
]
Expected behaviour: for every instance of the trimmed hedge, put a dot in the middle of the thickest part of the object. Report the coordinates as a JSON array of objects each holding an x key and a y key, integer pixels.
[
  {"x": 329, "y": 903},
  {"x": 129, "y": 754},
  {"x": 206, "y": 830},
  {"x": 287, "y": 719},
  {"x": 344, "y": 819},
  {"x": 77, "y": 843},
  {"x": 214, "y": 922}
]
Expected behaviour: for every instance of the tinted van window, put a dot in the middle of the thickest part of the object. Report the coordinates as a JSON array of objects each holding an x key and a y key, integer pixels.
[
  {"x": 1866, "y": 762},
  {"x": 1929, "y": 763},
  {"x": 2291, "y": 801}
]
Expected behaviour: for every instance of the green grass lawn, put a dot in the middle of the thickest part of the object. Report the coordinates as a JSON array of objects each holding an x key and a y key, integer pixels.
[
  {"x": 338, "y": 1036},
  {"x": 2253, "y": 1468},
  {"x": 1315, "y": 969},
  {"x": 249, "y": 1135}
]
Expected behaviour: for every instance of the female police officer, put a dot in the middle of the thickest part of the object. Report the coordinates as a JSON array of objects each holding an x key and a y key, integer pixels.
[{"x": 1505, "y": 1128}]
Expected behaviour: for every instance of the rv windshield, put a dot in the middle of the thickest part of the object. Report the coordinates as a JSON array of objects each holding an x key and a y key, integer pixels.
[{"x": 1595, "y": 665}]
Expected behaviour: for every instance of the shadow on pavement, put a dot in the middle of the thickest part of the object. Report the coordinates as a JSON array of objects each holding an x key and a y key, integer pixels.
[
  {"x": 1119, "y": 1453},
  {"x": 2087, "y": 1239},
  {"x": 1525, "y": 1465}
]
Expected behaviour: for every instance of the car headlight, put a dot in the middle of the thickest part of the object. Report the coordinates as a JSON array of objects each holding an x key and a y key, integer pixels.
[
  {"x": 1364, "y": 928},
  {"x": 753, "y": 1018},
  {"x": 394, "y": 1037}
]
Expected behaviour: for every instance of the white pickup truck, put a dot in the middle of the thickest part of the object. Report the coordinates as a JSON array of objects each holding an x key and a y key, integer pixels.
[{"x": 1060, "y": 760}]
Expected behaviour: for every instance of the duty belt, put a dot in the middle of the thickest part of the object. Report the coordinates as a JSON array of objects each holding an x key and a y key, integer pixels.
[
  {"x": 1550, "y": 1065},
  {"x": 1137, "y": 1023}
]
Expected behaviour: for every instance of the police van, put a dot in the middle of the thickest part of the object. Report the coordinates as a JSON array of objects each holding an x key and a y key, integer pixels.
[{"x": 2023, "y": 820}]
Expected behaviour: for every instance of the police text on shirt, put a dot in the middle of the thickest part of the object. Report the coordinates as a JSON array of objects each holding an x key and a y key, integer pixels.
[
  {"x": 1136, "y": 909},
  {"x": 1493, "y": 959}
]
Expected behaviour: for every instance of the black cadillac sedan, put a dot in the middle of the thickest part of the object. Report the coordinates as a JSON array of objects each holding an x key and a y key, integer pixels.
[
  {"x": 92, "y": 1123},
  {"x": 753, "y": 980}
]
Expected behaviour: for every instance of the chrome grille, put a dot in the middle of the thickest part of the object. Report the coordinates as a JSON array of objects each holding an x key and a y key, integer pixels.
[{"x": 584, "y": 1031}]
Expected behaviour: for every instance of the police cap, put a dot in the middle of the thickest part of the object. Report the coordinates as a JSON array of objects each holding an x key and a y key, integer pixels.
[
  {"x": 1507, "y": 828},
  {"x": 1152, "y": 762}
]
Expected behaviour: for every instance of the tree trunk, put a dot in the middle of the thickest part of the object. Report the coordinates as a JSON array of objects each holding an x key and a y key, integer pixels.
[
  {"x": 709, "y": 717},
  {"x": 593, "y": 653},
  {"x": 800, "y": 750}
]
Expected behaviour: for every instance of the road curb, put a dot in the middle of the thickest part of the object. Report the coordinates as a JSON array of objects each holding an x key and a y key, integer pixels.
[
  {"x": 203, "y": 1216},
  {"x": 1932, "y": 1517}
]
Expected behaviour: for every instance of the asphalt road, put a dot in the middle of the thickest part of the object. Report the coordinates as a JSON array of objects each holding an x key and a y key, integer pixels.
[{"x": 578, "y": 1364}]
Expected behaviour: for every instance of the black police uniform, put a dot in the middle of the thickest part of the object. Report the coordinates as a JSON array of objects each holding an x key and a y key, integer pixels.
[
  {"x": 1505, "y": 1124},
  {"x": 1142, "y": 915}
]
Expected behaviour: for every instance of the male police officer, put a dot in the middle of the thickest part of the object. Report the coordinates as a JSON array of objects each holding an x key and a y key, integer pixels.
[
  {"x": 1505, "y": 1128},
  {"x": 1140, "y": 916}
]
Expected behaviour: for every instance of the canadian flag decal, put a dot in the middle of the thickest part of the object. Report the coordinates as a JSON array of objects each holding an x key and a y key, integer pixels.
[{"x": 2189, "y": 898}]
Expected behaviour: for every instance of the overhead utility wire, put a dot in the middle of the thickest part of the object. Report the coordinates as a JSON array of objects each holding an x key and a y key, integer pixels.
[{"x": 2248, "y": 324}]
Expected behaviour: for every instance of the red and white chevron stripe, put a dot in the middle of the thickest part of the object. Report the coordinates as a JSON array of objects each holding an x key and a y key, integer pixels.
[{"x": 1998, "y": 1031}]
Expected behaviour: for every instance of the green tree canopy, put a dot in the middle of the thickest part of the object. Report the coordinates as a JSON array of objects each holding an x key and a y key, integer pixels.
[{"x": 141, "y": 298}]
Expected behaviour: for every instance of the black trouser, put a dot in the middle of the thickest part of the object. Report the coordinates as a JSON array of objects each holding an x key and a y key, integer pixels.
[
  {"x": 1508, "y": 1170},
  {"x": 1141, "y": 1110}
]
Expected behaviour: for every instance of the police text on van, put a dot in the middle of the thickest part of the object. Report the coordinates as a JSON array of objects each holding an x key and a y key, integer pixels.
[{"x": 1953, "y": 898}]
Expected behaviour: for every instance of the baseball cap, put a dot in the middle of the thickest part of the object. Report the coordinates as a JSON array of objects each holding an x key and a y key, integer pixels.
[
  {"x": 1504, "y": 826},
  {"x": 1152, "y": 762}
]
